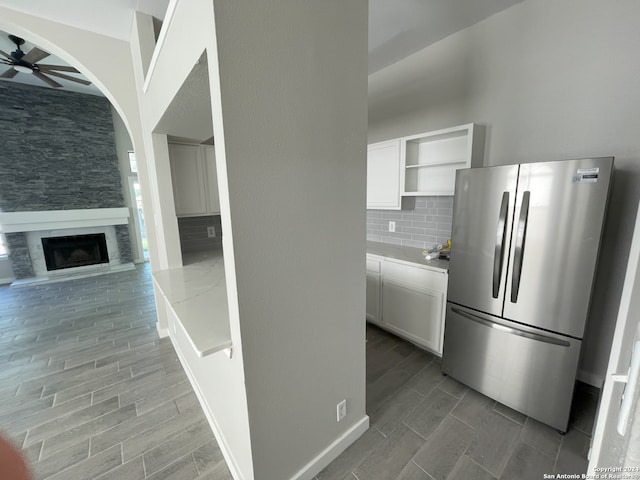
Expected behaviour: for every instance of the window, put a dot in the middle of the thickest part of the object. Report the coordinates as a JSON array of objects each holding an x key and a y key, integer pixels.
[
  {"x": 132, "y": 162},
  {"x": 3, "y": 246}
]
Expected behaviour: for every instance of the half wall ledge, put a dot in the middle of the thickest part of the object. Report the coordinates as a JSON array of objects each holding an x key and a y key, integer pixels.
[{"x": 197, "y": 295}]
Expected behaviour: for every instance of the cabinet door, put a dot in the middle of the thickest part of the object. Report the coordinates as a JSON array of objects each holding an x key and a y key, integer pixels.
[
  {"x": 383, "y": 175},
  {"x": 373, "y": 290},
  {"x": 373, "y": 298},
  {"x": 413, "y": 313},
  {"x": 413, "y": 302},
  {"x": 188, "y": 177},
  {"x": 213, "y": 202}
]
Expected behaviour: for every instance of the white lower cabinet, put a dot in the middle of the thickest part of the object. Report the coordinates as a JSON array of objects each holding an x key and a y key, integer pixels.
[
  {"x": 373, "y": 289},
  {"x": 411, "y": 300}
]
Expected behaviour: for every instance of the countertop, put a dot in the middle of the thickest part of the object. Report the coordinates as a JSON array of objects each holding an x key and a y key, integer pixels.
[
  {"x": 406, "y": 254},
  {"x": 197, "y": 294}
]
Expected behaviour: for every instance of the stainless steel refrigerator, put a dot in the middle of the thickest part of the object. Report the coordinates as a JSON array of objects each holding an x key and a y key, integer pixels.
[{"x": 525, "y": 245}]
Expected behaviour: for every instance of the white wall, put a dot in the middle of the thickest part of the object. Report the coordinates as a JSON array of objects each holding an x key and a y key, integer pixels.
[
  {"x": 550, "y": 80},
  {"x": 219, "y": 380},
  {"x": 288, "y": 102},
  {"x": 293, "y": 111}
]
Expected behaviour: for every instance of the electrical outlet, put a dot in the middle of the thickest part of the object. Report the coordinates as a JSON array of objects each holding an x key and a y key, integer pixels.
[
  {"x": 211, "y": 232},
  {"x": 392, "y": 226},
  {"x": 341, "y": 409}
]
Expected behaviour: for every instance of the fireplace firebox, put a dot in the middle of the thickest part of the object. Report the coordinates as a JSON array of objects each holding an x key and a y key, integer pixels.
[{"x": 75, "y": 251}]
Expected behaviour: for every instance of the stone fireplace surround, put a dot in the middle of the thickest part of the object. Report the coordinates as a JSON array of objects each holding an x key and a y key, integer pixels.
[{"x": 24, "y": 231}]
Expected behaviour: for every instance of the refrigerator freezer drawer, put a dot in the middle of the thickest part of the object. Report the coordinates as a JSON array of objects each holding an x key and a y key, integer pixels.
[{"x": 527, "y": 369}]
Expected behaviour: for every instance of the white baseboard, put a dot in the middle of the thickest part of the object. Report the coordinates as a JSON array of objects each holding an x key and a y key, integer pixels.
[
  {"x": 590, "y": 378},
  {"x": 307, "y": 472},
  {"x": 330, "y": 453},
  {"x": 5, "y": 281},
  {"x": 222, "y": 443}
]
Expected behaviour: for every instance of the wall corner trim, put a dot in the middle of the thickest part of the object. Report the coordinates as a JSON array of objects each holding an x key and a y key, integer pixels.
[{"x": 162, "y": 332}]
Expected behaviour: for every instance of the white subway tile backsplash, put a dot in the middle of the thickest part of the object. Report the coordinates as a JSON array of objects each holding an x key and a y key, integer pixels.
[
  {"x": 194, "y": 236},
  {"x": 403, "y": 224},
  {"x": 392, "y": 241},
  {"x": 412, "y": 243},
  {"x": 414, "y": 217},
  {"x": 427, "y": 224}
]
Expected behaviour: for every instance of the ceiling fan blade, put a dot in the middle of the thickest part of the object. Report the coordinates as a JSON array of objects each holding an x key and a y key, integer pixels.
[
  {"x": 12, "y": 72},
  {"x": 62, "y": 68},
  {"x": 47, "y": 80},
  {"x": 68, "y": 77},
  {"x": 35, "y": 55},
  {"x": 6, "y": 55}
]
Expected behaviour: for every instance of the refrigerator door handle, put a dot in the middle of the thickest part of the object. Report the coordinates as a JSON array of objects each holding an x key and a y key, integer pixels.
[
  {"x": 498, "y": 257},
  {"x": 513, "y": 331},
  {"x": 521, "y": 234}
]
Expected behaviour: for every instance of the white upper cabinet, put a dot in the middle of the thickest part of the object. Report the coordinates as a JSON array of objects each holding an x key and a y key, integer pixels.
[
  {"x": 195, "y": 184},
  {"x": 188, "y": 178},
  {"x": 421, "y": 165},
  {"x": 383, "y": 175},
  {"x": 430, "y": 160}
]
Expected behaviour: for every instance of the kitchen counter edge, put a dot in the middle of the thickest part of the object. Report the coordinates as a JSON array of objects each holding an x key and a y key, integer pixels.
[{"x": 404, "y": 254}]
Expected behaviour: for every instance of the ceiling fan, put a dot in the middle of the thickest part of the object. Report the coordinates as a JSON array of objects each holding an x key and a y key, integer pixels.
[{"x": 28, "y": 63}]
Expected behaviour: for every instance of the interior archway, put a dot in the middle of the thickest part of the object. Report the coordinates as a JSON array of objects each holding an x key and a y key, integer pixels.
[{"x": 80, "y": 49}]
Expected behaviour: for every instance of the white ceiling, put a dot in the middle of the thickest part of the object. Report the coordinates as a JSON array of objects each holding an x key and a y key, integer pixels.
[
  {"x": 8, "y": 46},
  {"x": 397, "y": 28},
  {"x": 112, "y": 18}
]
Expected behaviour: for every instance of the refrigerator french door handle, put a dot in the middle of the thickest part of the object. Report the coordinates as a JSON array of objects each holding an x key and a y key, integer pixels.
[
  {"x": 511, "y": 330},
  {"x": 498, "y": 256},
  {"x": 521, "y": 234}
]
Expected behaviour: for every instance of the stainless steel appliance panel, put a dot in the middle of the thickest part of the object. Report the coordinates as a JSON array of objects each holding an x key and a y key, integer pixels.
[
  {"x": 529, "y": 370},
  {"x": 560, "y": 208},
  {"x": 482, "y": 217}
]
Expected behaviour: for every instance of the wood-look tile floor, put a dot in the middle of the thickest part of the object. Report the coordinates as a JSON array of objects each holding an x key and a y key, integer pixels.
[
  {"x": 89, "y": 391},
  {"x": 426, "y": 426}
]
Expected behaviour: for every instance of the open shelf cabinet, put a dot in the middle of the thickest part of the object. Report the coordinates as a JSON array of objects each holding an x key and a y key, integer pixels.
[{"x": 430, "y": 160}]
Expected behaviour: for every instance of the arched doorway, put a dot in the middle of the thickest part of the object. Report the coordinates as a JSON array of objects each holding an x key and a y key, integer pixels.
[{"x": 80, "y": 150}]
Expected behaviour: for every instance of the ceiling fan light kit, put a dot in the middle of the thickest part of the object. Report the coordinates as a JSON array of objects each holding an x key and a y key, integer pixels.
[
  {"x": 22, "y": 69},
  {"x": 21, "y": 62}
]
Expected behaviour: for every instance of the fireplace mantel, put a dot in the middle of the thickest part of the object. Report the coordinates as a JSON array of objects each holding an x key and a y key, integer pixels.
[{"x": 58, "y": 219}]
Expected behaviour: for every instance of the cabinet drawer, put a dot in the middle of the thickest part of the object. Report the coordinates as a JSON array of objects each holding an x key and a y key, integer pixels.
[{"x": 419, "y": 277}]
